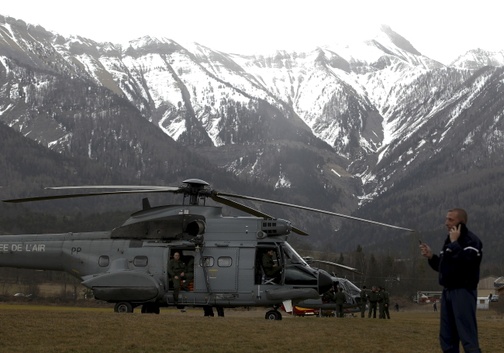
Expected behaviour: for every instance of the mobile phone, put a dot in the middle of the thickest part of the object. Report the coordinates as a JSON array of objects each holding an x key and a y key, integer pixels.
[{"x": 460, "y": 225}]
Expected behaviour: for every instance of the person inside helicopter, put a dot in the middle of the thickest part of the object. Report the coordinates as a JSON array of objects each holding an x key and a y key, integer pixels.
[
  {"x": 329, "y": 296},
  {"x": 176, "y": 270},
  {"x": 269, "y": 266}
]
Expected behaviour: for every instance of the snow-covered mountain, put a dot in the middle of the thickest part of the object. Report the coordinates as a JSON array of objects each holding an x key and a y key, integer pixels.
[
  {"x": 347, "y": 122},
  {"x": 478, "y": 58}
]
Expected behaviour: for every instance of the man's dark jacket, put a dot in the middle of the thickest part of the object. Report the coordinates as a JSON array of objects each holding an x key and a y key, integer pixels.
[{"x": 458, "y": 263}]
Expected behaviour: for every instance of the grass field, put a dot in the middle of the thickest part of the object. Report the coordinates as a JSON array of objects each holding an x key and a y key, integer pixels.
[{"x": 29, "y": 328}]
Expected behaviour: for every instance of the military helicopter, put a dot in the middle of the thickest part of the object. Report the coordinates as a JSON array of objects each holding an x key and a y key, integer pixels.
[
  {"x": 128, "y": 266},
  {"x": 319, "y": 307}
]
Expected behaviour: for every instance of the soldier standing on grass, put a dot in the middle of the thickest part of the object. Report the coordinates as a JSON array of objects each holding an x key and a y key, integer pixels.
[
  {"x": 381, "y": 311},
  {"x": 373, "y": 300},
  {"x": 384, "y": 307},
  {"x": 340, "y": 299},
  {"x": 364, "y": 295}
]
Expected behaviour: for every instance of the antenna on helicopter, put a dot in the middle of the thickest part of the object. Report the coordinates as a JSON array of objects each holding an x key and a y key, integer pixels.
[{"x": 146, "y": 204}]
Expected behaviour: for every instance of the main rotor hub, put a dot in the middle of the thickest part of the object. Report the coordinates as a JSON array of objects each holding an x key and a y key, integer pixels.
[{"x": 195, "y": 189}]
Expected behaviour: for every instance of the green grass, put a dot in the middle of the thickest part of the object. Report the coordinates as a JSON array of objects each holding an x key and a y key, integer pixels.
[{"x": 27, "y": 328}]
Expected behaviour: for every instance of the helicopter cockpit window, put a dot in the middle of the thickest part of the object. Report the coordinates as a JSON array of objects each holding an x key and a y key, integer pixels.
[
  {"x": 140, "y": 261},
  {"x": 349, "y": 287},
  {"x": 224, "y": 261},
  {"x": 292, "y": 256},
  {"x": 103, "y": 261}
]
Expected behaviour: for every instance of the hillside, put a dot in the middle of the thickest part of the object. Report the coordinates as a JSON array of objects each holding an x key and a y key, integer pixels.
[{"x": 374, "y": 129}]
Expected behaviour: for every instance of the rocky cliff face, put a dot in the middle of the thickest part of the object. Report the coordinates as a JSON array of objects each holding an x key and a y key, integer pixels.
[{"x": 333, "y": 128}]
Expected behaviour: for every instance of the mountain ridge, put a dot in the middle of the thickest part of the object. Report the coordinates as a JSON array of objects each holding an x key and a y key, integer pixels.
[{"x": 348, "y": 124}]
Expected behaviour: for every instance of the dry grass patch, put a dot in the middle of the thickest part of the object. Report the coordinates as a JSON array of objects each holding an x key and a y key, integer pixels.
[{"x": 27, "y": 328}]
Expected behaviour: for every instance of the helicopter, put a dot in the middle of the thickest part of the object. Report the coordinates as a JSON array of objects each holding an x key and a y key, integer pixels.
[
  {"x": 326, "y": 308},
  {"x": 128, "y": 265}
]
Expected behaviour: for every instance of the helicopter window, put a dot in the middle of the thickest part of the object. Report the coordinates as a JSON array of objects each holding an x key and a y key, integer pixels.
[
  {"x": 140, "y": 261},
  {"x": 292, "y": 255},
  {"x": 103, "y": 261},
  {"x": 207, "y": 261},
  {"x": 224, "y": 261},
  {"x": 349, "y": 287}
]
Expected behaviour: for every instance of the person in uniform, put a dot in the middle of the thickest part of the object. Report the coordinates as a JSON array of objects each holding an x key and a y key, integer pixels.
[
  {"x": 381, "y": 312},
  {"x": 373, "y": 301},
  {"x": 176, "y": 270},
  {"x": 270, "y": 268},
  {"x": 384, "y": 308},
  {"x": 458, "y": 265},
  {"x": 329, "y": 297},
  {"x": 340, "y": 299},
  {"x": 364, "y": 296}
]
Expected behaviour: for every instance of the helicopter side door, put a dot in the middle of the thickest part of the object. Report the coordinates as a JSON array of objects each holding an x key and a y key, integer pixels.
[
  {"x": 246, "y": 269},
  {"x": 221, "y": 267}
]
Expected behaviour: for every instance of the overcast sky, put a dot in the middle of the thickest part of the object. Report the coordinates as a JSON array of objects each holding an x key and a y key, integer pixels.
[{"x": 439, "y": 29}]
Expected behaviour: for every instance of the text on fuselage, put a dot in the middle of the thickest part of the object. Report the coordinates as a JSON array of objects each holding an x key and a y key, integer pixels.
[{"x": 27, "y": 247}]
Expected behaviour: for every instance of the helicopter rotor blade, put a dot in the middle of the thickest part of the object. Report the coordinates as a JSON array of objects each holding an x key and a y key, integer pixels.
[
  {"x": 131, "y": 187},
  {"x": 134, "y": 190},
  {"x": 338, "y": 265},
  {"x": 313, "y": 210},
  {"x": 194, "y": 187},
  {"x": 249, "y": 210}
]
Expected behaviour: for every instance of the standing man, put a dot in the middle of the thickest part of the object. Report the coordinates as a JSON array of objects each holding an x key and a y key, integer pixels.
[
  {"x": 340, "y": 299},
  {"x": 373, "y": 300},
  {"x": 458, "y": 265},
  {"x": 363, "y": 300},
  {"x": 176, "y": 270},
  {"x": 381, "y": 310},
  {"x": 386, "y": 302}
]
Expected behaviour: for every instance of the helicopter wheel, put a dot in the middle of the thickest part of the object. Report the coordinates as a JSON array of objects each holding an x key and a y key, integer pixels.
[
  {"x": 123, "y": 307},
  {"x": 150, "y": 308},
  {"x": 273, "y": 315}
]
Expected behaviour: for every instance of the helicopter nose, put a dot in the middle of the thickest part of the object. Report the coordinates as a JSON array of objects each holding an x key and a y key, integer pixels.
[{"x": 324, "y": 281}]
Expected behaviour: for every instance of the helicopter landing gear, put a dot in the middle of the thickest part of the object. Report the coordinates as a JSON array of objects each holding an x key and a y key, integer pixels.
[
  {"x": 273, "y": 315},
  {"x": 123, "y": 307},
  {"x": 150, "y": 308}
]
